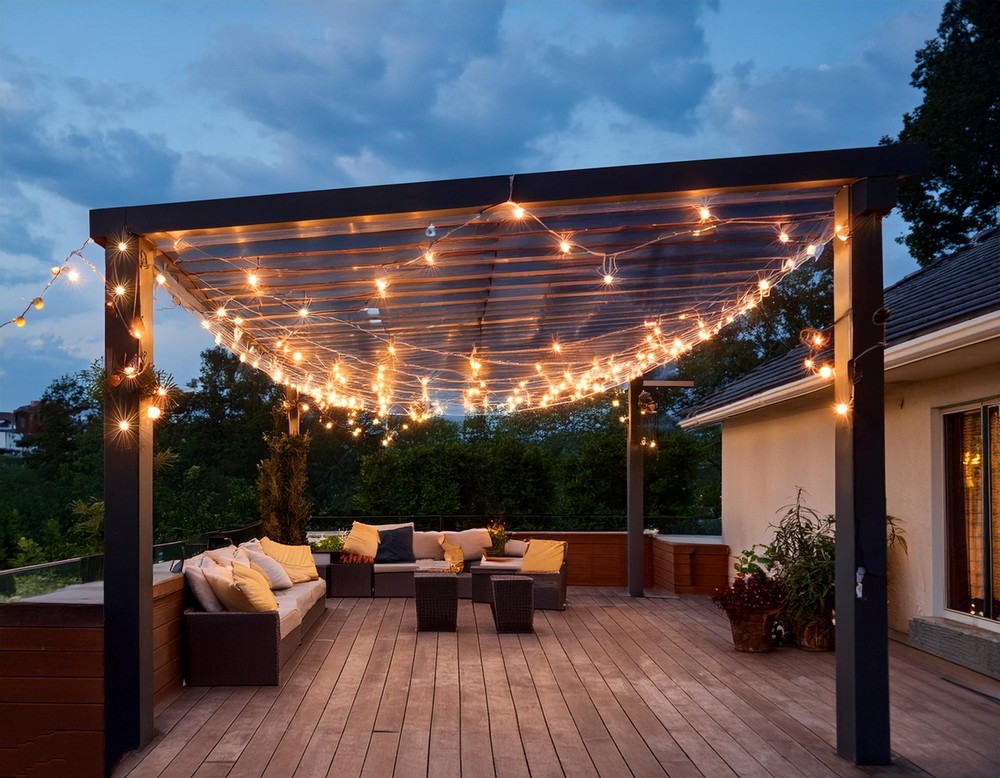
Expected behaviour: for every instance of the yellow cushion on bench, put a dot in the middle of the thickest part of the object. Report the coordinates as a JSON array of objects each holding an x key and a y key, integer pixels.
[
  {"x": 544, "y": 556},
  {"x": 362, "y": 540},
  {"x": 255, "y": 587},
  {"x": 453, "y": 555},
  {"x": 240, "y": 589},
  {"x": 297, "y": 560}
]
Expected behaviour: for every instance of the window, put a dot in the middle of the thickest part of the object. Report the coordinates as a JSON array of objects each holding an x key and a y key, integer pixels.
[{"x": 972, "y": 469}]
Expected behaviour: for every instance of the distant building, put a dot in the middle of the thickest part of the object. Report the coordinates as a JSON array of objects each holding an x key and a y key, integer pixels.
[
  {"x": 9, "y": 436},
  {"x": 28, "y": 418}
]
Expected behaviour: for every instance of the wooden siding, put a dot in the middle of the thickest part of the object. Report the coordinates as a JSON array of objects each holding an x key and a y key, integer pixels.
[
  {"x": 168, "y": 642},
  {"x": 683, "y": 567},
  {"x": 52, "y": 689},
  {"x": 52, "y": 681}
]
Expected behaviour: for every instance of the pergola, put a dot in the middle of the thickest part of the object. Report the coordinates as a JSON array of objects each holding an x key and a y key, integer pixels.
[{"x": 501, "y": 294}]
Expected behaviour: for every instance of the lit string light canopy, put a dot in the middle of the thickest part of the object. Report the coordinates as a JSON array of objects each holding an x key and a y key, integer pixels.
[{"x": 509, "y": 306}]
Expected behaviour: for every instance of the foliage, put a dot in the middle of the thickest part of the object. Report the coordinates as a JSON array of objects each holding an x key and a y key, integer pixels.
[
  {"x": 282, "y": 482},
  {"x": 803, "y": 299},
  {"x": 331, "y": 543},
  {"x": 803, "y": 550},
  {"x": 959, "y": 120}
]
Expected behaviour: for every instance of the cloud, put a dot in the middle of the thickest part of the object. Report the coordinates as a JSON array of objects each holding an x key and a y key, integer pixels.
[
  {"x": 466, "y": 89},
  {"x": 65, "y": 146},
  {"x": 835, "y": 105}
]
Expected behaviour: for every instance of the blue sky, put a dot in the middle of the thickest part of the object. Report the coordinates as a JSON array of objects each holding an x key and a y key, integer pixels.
[{"x": 115, "y": 103}]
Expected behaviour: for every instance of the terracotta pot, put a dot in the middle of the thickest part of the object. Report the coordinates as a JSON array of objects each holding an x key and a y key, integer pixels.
[{"x": 752, "y": 629}]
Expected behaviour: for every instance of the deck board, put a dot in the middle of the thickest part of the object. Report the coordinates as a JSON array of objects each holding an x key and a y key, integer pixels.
[{"x": 612, "y": 686}]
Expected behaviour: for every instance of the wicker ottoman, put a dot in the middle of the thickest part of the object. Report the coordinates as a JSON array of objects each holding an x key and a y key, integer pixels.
[
  {"x": 436, "y": 596},
  {"x": 513, "y": 603}
]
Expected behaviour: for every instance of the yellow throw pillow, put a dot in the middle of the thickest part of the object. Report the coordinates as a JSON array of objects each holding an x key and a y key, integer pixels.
[
  {"x": 453, "y": 555},
  {"x": 544, "y": 556},
  {"x": 362, "y": 540},
  {"x": 255, "y": 588},
  {"x": 297, "y": 560}
]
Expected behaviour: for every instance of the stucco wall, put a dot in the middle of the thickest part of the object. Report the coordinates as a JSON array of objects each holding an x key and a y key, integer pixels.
[
  {"x": 767, "y": 453},
  {"x": 915, "y": 485},
  {"x": 765, "y": 456}
]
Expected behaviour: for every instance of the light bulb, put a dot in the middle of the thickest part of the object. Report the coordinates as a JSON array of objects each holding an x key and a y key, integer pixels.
[
  {"x": 221, "y": 312},
  {"x": 55, "y": 270},
  {"x": 123, "y": 425},
  {"x": 783, "y": 237},
  {"x": 19, "y": 321},
  {"x": 382, "y": 284},
  {"x": 38, "y": 303},
  {"x": 161, "y": 279},
  {"x": 297, "y": 356},
  {"x": 564, "y": 246},
  {"x": 841, "y": 409},
  {"x": 704, "y": 214},
  {"x": 517, "y": 211},
  {"x": 609, "y": 279},
  {"x": 153, "y": 412},
  {"x": 826, "y": 371},
  {"x": 73, "y": 275},
  {"x": 303, "y": 312},
  {"x": 119, "y": 290},
  {"x": 122, "y": 245},
  {"x": 252, "y": 279},
  {"x": 429, "y": 257}
]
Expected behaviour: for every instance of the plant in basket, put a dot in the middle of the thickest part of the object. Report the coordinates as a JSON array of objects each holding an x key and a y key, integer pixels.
[{"x": 752, "y": 601}]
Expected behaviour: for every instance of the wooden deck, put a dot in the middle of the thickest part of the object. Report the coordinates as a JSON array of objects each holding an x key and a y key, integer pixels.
[{"x": 612, "y": 686}]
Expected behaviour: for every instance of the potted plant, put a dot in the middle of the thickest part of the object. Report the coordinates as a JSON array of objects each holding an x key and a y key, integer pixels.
[
  {"x": 803, "y": 551},
  {"x": 752, "y": 601},
  {"x": 327, "y": 550},
  {"x": 498, "y": 537}
]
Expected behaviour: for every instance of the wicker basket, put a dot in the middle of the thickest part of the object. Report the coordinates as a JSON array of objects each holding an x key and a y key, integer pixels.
[{"x": 752, "y": 629}]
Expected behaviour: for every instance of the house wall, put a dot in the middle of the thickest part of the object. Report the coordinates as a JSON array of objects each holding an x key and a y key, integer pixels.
[
  {"x": 915, "y": 485},
  {"x": 768, "y": 453},
  {"x": 766, "y": 456}
]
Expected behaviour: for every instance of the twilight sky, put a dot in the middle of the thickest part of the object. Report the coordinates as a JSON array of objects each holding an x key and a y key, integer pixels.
[{"x": 115, "y": 103}]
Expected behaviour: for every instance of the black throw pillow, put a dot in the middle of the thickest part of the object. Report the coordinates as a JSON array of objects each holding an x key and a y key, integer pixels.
[{"x": 395, "y": 545}]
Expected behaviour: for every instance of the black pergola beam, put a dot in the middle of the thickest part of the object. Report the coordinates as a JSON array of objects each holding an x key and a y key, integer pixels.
[
  {"x": 800, "y": 170},
  {"x": 862, "y": 614}
]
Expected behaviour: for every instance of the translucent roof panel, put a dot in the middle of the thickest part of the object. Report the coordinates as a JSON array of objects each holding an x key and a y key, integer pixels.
[{"x": 496, "y": 292}]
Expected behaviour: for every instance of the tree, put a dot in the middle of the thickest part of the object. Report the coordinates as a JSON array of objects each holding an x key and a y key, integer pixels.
[
  {"x": 959, "y": 120},
  {"x": 281, "y": 487}
]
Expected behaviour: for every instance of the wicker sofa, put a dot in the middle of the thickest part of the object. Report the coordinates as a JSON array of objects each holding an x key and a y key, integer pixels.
[
  {"x": 396, "y": 579},
  {"x": 230, "y": 648}
]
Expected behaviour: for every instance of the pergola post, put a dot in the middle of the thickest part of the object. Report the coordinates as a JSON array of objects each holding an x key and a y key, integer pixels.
[
  {"x": 128, "y": 501},
  {"x": 633, "y": 469},
  {"x": 862, "y": 613}
]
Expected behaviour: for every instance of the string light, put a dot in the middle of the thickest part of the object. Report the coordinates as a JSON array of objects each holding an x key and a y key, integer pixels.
[{"x": 541, "y": 392}]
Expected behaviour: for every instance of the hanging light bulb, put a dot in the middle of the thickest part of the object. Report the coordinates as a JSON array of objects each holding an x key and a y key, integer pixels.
[
  {"x": 137, "y": 327},
  {"x": 153, "y": 412},
  {"x": 38, "y": 303},
  {"x": 19, "y": 321},
  {"x": 161, "y": 279}
]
